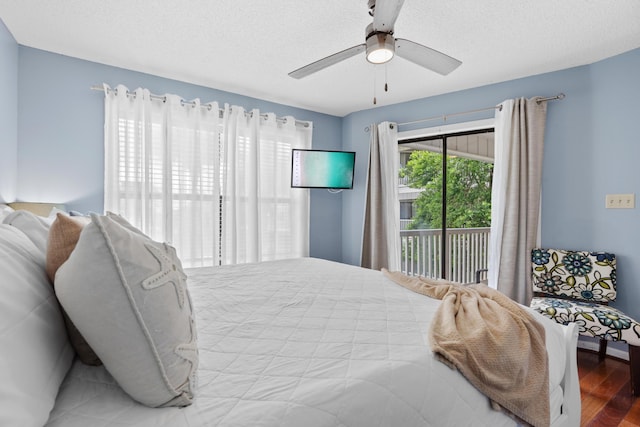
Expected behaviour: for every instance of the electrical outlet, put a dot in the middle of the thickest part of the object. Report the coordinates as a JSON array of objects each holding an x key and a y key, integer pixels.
[{"x": 620, "y": 201}]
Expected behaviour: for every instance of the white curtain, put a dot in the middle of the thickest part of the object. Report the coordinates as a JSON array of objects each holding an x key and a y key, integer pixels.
[
  {"x": 381, "y": 234},
  {"x": 263, "y": 214},
  {"x": 516, "y": 195},
  {"x": 173, "y": 168}
]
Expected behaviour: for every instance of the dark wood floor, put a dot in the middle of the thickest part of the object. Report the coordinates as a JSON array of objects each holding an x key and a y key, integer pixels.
[{"x": 606, "y": 393}]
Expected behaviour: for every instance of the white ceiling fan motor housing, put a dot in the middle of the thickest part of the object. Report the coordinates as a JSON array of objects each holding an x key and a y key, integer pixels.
[{"x": 380, "y": 46}]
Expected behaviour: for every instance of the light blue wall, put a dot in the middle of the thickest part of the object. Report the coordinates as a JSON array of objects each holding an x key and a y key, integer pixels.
[
  {"x": 8, "y": 115},
  {"x": 61, "y": 122},
  {"x": 615, "y": 168},
  {"x": 592, "y": 148}
]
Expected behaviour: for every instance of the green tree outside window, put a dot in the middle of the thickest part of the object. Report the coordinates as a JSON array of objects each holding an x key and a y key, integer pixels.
[{"x": 468, "y": 191}]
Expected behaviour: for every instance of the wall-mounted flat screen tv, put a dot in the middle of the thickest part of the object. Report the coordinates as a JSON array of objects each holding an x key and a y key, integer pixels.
[{"x": 322, "y": 169}]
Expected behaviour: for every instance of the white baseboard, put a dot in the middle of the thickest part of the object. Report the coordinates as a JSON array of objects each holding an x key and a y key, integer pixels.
[{"x": 613, "y": 352}]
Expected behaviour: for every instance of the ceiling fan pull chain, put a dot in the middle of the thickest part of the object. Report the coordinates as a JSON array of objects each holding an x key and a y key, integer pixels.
[
  {"x": 375, "y": 101},
  {"x": 386, "y": 79}
]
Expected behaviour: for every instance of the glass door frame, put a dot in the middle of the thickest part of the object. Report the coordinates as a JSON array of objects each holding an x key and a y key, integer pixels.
[{"x": 443, "y": 133}]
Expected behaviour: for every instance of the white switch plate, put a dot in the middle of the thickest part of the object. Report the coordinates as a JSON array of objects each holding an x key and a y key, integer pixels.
[{"x": 620, "y": 201}]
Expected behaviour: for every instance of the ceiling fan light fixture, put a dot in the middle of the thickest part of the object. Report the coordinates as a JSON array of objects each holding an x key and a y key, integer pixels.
[
  {"x": 380, "y": 48},
  {"x": 380, "y": 45}
]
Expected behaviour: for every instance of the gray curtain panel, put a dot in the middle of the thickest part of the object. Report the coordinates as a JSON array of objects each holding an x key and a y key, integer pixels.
[
  {"x": 381, "y": 234},
  {"x": 516, "y": 195}
]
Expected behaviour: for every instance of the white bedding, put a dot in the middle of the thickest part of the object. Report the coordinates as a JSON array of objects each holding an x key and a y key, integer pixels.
[{"x": 304, "y": 342}]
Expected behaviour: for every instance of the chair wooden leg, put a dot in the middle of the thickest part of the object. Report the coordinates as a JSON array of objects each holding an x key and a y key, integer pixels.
[
  {"x": 634, "y": 366},
  {"x": 602, "y": 351}
]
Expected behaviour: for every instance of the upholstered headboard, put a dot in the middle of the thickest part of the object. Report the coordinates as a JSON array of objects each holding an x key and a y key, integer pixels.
[{"x": 41, "y": 209}]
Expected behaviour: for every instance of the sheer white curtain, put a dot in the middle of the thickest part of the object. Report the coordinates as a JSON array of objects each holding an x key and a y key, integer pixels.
[
  {"x": 516, "y": 195},
  {"x": 265, "y": 218},
  {"x": 182, "y": 173},
  {"x": 381, "y": 234}
]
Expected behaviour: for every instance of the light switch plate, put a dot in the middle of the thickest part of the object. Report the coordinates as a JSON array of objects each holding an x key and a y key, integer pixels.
[{"x": 620, "y": 201}]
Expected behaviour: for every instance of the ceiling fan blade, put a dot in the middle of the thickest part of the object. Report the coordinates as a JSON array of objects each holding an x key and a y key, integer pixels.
[
  {"x": 426, "y": 57},
  {"x": 328, "y": 61},
  {"x": 385, "y": 14}
]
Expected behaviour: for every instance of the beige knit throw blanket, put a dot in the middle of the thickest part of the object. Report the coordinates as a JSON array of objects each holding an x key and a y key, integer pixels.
[{"x": 494, "y": 342}]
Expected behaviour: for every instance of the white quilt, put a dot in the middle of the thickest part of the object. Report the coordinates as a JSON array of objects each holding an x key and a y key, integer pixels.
[{"x": 303, "y": 342}]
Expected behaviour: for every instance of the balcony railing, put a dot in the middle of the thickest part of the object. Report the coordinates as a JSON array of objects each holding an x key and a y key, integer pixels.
[
  {"x": 404, "y": 224},
  {"x": 467, "y": 252}
]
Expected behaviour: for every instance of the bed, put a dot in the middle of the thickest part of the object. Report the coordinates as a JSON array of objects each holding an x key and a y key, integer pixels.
[{"x": 298, "y": 342}]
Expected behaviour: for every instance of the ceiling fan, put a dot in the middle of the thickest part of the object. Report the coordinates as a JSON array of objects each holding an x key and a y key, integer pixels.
[{"x": 380, "y": 45}]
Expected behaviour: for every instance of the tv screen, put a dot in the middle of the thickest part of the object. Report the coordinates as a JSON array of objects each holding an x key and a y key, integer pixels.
[{"x": 322, "y": 169}]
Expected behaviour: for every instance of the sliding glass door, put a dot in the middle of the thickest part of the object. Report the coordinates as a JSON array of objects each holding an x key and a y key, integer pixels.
[{"x": 445, "y": 204}]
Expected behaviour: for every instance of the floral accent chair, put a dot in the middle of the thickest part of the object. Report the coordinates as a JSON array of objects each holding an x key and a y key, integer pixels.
[{"x": 576, "y": 287}]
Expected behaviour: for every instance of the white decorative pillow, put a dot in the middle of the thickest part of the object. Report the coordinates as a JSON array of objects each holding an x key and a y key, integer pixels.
[
  {"x": 34, "y": 226},
  {"x": 4, "y": 211},
  {"x": 123, "y": 222},
  {"x": 128, "y": 297},
  {"x": 35, "y": 353}
]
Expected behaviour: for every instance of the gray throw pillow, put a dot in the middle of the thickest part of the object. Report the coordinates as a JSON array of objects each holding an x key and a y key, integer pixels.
[{"x": 128, "y": 297}]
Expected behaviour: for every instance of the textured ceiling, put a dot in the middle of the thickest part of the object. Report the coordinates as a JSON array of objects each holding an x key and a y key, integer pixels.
[{"x": 248, "y": 47}]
